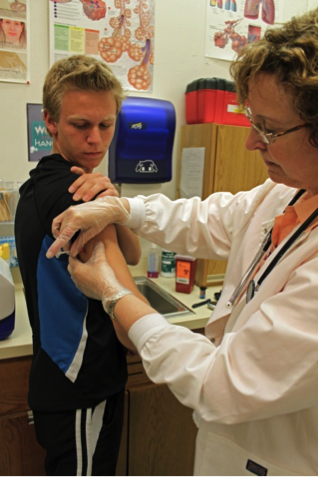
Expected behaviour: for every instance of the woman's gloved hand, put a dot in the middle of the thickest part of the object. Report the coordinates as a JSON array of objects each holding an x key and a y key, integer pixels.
[
  {"x": 89, "y": 219},
  {"x": 95, "y": 278}
]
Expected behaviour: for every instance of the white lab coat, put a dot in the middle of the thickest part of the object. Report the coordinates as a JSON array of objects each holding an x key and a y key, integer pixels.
[{"x": 253, "y": 380}]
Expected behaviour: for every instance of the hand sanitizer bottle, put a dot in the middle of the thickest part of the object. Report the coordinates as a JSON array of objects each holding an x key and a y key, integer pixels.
[{"x": 153, "y": 261}]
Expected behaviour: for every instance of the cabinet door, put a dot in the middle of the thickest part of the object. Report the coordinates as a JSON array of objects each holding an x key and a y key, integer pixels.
[
  {"x": 199, "y": 135},
  {"x": 236, "y": 169},
  {"x": 161, "y": 433},
  {"x": 228, "y": 167},
  {"x": 20, "y": 454},
  {"x": 14, "y": 374}
]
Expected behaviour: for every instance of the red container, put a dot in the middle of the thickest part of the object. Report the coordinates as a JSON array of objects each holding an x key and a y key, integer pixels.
[
  {"x": 233, "y": 114},
  {"x": 213, "y": 100},
  {"x": 191, "y": 107},
  {"x": 206, "y": 106},
  {"x": 206, "y": 100},
  {"x": 185, "y": 273},
  {"x": 191, "y": 103},
  {"x": 220, "y": 100}
]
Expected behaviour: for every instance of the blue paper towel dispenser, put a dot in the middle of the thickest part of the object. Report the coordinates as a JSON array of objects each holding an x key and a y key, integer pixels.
[{"x": 141, "y": 149}]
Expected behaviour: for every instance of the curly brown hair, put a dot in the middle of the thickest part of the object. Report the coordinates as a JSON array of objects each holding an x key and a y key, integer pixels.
[{"x": 291, "y": 53}]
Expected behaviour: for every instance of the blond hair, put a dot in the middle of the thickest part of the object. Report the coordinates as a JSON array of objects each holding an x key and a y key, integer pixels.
[
  {"x": 78, "y": 72},
  {"x": 291, "y": 54}
]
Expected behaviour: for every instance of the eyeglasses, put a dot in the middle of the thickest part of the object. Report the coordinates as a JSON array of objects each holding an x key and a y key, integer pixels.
[{"x": 269, "y": 138}]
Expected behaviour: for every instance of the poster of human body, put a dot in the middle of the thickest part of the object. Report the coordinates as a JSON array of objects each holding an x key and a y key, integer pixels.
[
  {"x": 119, "y": 32},
  {"x": 231, "y": 24},
  {"x": 14, "y": 41}
]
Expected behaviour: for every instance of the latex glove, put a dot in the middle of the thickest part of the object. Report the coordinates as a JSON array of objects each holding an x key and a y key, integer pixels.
[
  {"x": 89, "y": 219},
  {"x": 95, "y": 278},
  {"x": 88, "y": 186}
]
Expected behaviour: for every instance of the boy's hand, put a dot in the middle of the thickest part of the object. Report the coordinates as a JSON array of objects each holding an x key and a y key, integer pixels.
[{"x": 88, "y": 186}]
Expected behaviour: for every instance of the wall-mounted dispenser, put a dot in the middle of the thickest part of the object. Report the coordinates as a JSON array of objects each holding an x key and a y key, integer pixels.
[{"x": 141, "y": 149}]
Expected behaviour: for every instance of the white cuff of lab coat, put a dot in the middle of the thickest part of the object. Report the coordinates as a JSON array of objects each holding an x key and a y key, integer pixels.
[
  {"x": 137, "y": 213},
  {"x": 143, "y": 329}
]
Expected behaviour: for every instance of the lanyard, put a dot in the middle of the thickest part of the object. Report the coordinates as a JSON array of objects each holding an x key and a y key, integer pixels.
[{"x": 252, "y": 287}]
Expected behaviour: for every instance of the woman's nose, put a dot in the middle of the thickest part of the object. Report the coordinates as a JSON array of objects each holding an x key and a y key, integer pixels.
[{"x": 254, "y": 141}]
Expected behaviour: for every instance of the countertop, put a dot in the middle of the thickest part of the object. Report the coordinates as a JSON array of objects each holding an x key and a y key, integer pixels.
[{"x": 20, "y": 341}]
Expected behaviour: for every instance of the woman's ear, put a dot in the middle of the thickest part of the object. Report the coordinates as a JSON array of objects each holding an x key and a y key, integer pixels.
[{"x": 50, "y": 122}]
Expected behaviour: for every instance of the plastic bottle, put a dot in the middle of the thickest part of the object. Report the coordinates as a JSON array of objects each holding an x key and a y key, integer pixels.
[
  {"x": 153, "y": 262},
  {"x": 202, "y": 293},
  {"x": 168, "y": 264},
  {"x": 5, "y": 252}
]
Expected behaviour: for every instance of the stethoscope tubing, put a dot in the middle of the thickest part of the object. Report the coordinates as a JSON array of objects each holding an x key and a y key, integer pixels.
[
  {"x": 263, "y": 249},
  {"x": 287, "y": 246},
  {"x": 254, "y": 287}
]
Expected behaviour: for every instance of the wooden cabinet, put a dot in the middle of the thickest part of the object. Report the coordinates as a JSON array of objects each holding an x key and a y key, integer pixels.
[
  {"x": 228, "y": 167},
  {"x": 158, "y": 434},
  {"x": 162, "y": 437},
  {"x": 20, "y": 454}
]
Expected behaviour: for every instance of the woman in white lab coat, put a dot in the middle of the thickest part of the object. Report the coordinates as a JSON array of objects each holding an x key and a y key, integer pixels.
[{"x": 252, "y": 380}]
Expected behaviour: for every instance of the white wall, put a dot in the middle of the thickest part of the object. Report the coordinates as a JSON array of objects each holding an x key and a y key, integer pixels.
[{"x": 179, "y": 59}]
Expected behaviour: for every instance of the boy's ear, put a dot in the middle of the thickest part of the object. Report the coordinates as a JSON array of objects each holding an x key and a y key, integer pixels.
[{"x": 50, "y": 122}]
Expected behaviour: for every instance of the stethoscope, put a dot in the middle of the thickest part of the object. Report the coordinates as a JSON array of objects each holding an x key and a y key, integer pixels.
[{"x": 246, "y": 279}]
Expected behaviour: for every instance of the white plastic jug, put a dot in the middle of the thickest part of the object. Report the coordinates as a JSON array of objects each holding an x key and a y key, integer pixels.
[{"x": 7, "y": 301}]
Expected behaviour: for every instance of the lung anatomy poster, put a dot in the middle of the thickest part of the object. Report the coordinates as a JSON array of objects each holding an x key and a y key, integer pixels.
[
  {"x": 231, "y": 24},
  {"x": 119, "y": 32}
]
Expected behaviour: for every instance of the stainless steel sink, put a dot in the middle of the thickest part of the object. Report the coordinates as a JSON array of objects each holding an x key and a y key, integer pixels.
[{"x": 160, "y": 300}]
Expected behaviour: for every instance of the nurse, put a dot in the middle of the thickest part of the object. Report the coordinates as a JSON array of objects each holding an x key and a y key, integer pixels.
[{"x": 252, "y": 380}]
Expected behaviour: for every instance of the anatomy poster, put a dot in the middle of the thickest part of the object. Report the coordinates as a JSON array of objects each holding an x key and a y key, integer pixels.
[
  {"x": 230, "y": 24},
  {"x": 119, "y": 32},
  {"x": 14, "y": 20}
]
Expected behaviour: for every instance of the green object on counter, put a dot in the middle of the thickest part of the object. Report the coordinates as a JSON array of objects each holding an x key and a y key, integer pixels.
[{"x": 168, "y": 264}]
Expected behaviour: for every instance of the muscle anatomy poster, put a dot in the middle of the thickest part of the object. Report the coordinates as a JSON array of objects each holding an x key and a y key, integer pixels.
[
  {"x": 119, "y": 32},
  {"x": 230, "y": 24}
]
